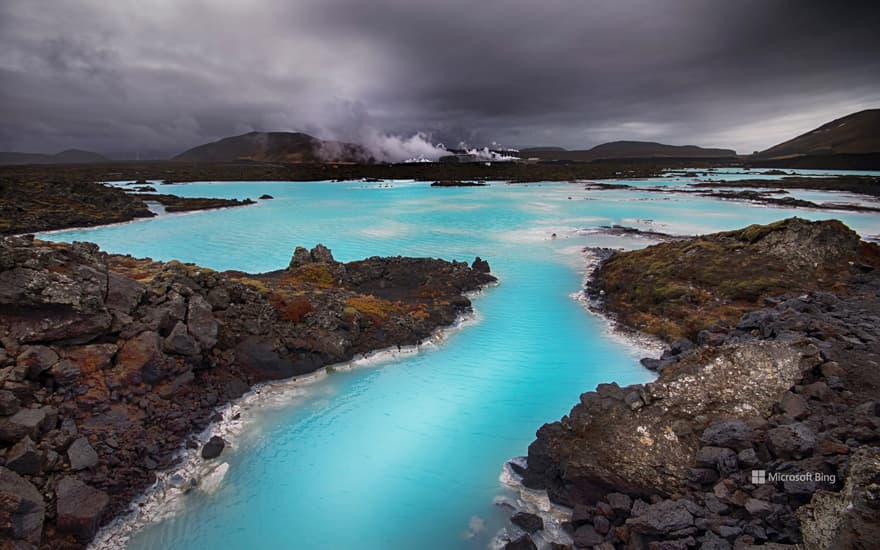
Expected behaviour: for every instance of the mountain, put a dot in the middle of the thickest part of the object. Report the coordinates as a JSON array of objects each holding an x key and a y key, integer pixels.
[
  {"x": 650, "y": 149},
  {"x": 290, "y": 147},
  {"x": 855, "y": 134},
  {"x": 628, "y": 149},
  {"x": 70, "y": 156}
]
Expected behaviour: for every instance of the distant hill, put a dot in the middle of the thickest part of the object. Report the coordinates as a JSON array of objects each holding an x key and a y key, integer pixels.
[
  {"x": 628, "y": 149},
  {"x": 289, "y": 147},
  {"x": 542, "y": 149},
  {"x": 855, "y": 134},
  {"x": 70, "y": 156}
]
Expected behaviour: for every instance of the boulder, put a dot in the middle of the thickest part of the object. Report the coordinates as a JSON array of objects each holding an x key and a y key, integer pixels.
[
  {"x": 65, "y": 372},
  {"x": 748, "y": 458},
  {"x": 758, "y": 508},
  {"x": 123, "y": 293},
  {"x": 22, "y": 508},
  {"x": 26, "y": 422},
  {"x": 82, "y": 455},
  {"x": 180, "y": 342},
  {"x": 201, "y": 323},
  {"x": 702, "y": 476},
  {"x": 581, "y": 515},
  {"x": 722, "y": 459},
  {"x": 794, "y": 406},
  {"x": 619, "y": 502},
  {"x": 92, "y": 358},
  {"x": 9, "y": 404},
  {"x": 259, "y": 358},
  {"x": 219, "y": 298},
  {"x": 36, "y": 359},
  {"x": 586, "y": 536},
  {"x": 524, "y": 542},
  {"x": 681, "y": 345},
  {"x": 480, "y": 265},
  {"x": 818, "y": 390},
  {"x": 80, "y": 508},
  {"x": 735, "y": 434},
  {"x": 529, "y": 523},
  {"x": 662, "y": 518},
  {"x": 791, "y": 440},
  {"x": 213, "y": 447},
  {"x": 24, "y": 457},
  {"x": 142, "y": 353}
]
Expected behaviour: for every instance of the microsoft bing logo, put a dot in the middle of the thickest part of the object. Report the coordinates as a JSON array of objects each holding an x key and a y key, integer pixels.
[{"x": 759, "y": 477}]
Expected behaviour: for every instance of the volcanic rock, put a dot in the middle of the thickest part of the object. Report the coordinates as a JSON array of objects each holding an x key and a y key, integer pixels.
[
  {"x": 80, "y": 508},
  {"x": 9, "y": 404},
  {"x": 26, "y": 422},
  {"x": 143, "y": 354},
  {"x": 201, "y": 322},
  {"x": 480, "y": 265},
  {"x": 662, "y": 518},
  {"x": 735, "y": 434},
  {"x": 528, "y": 522},
  {"x": 24, "y": 457},
  {"x": 524, "y": 542},
  {"x": 213, "y": 447},
  {"x": 792, "y": 440},
  {"x": 82, "y": 455},
  {"x": 22, "y": 509},
  {"x": 180, "y": 342},
  {"x": 586, "y": 536}
]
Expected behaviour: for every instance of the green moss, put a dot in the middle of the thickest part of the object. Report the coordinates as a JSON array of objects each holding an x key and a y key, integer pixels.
[
  {"x": 678, "y": 288},
  {"x": 756, "y": 232},
  {"x": 315, "y": 274}
]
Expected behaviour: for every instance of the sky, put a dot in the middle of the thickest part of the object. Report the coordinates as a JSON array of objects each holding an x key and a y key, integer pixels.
[{"x": 156, "y": 77}]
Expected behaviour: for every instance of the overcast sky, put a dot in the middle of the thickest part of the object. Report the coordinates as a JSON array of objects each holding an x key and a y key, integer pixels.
[{"x": 165, "y": 75}]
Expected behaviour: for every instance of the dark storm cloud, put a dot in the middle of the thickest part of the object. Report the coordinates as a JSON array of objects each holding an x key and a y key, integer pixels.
[{"x": 167, "y": 75}]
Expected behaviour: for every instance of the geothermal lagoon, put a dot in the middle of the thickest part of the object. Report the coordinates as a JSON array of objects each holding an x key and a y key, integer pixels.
[{"x": 405, "y": 449}]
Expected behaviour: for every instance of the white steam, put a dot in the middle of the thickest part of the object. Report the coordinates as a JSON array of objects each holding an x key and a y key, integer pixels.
[
  {"x": 394, "y": 148},
  {"x": 487, "y": 154},
  {"x": 369, "y": 144}
]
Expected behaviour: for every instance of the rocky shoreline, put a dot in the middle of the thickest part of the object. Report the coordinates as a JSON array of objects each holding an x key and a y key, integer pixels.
[
  {"x": 863, "y": 185},
  {"x": 173, "y": 203},
  {"x": 109, "y": 364},
  {"x": 30, "y": 205},
  {"x": 763, "y": 427}
]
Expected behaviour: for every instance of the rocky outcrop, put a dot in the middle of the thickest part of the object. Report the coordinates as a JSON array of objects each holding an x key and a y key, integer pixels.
[
  {"x": 173, "y": 203},
  {"x": 658, "y": 428},
  {"x": 109, "y": 364},
  {"x": 675, "y": 289},
  {"x": 29, "y": 203},
  {"x": 60, "y": 200},
  {"x": 849, "y": 519},
  {"x": 763, "y": 432}
]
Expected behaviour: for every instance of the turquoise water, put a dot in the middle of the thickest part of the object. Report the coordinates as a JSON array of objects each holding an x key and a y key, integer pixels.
[{"x": 407, "y": 453}]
